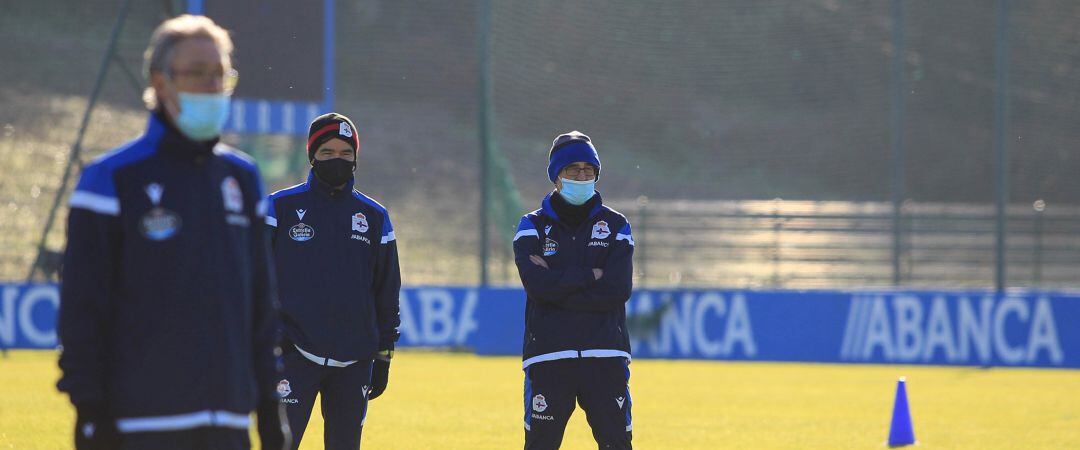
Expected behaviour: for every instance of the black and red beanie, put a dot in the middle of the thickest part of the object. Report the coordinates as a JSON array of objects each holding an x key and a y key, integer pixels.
[{"x": 329, "y": 126}]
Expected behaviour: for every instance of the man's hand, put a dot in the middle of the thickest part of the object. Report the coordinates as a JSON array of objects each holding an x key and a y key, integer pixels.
[
  {"x": 94, "y": 429},
  {"x": 380, "y": 373},
  {"x": 597, "y": 273},
  {"x": 536, "y": 259}
]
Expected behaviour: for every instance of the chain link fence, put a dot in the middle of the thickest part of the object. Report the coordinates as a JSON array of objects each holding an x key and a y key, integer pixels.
[{"x": 751, "y": 143}]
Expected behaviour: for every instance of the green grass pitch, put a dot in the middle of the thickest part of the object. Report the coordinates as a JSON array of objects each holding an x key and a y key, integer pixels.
[{"x": 461, "y": 401}]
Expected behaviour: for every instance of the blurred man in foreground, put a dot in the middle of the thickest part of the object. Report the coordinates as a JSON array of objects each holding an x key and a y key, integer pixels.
[{"x": 167, "y": 312}]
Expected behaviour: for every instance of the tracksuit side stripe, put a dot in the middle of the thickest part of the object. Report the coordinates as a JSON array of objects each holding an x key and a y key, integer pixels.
[
  {"x": 629, "y": 401},
  {"x": 367, "y": 392},
  {"x": 528, "y": 398}
]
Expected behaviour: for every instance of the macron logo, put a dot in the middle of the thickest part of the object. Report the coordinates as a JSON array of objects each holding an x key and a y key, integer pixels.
[{"x": 154, "y": 191}]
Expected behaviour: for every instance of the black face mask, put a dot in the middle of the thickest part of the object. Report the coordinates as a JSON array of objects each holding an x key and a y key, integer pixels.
[{"x": 334, "y": 172}]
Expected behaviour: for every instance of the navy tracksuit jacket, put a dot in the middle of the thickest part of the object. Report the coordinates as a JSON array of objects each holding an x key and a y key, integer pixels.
[
  {"x": 167, "y": 312},
  {"x": 337, "y": 261},
  {"x": 576, "y": 346},
  {"x": 569, "y": 314},
  {"x": 337, "y": 269}
]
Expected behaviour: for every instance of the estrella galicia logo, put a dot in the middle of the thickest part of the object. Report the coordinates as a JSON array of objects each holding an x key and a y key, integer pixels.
[
  {"x": 159, "y": 224},
  {"x": 301, "y": 232},
  {"x": 550, "y": 247}
]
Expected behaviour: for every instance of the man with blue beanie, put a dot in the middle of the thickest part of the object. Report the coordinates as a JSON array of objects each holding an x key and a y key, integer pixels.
[{"x": 575, "y": 259}]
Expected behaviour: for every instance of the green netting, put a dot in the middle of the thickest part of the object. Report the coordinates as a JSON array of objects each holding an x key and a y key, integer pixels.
[{"x": 749, "y": 141}]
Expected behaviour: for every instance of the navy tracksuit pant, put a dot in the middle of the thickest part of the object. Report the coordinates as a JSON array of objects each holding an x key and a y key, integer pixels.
[
  {"x": 599, "y": 385},
  {"x": 343, "y": 390}
]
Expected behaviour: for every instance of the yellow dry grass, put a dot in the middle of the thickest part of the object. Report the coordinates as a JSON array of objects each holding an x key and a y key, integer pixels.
[{"x": 461, "y": 401}]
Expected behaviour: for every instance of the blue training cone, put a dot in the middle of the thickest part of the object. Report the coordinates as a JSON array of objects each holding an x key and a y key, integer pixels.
[{"x": 901, "y": 432}]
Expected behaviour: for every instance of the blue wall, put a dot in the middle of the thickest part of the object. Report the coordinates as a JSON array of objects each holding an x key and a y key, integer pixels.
[{"x": 1040, "y": 329}]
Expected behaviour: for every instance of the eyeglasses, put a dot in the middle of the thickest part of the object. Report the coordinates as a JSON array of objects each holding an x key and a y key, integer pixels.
[
  {"x": 228, "y": 79},
  {"x": 573, "y": 171}
]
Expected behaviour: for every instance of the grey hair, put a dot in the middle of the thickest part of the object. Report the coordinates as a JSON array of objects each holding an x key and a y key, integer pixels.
[{"x": 171, "y": 32}]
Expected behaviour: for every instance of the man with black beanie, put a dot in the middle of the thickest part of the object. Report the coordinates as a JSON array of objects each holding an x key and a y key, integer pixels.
[
  {"x": 339, "y": 279},
  {"x": 577, "y": 272}
]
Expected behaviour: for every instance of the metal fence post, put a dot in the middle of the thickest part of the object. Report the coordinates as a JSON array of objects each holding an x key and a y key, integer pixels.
[
  {"x": 1036, "y": 260},
  {"x": 897, "y": 128},
  {"x": 1001, "y": 123},
  {"x": 483, "y": 50},
  {"x": 640, "y": 243},
  {"x": 777, "y": 226}
]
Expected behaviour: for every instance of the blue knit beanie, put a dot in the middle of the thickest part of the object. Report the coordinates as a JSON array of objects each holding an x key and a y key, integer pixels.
[{"x": 570, "y": 148}]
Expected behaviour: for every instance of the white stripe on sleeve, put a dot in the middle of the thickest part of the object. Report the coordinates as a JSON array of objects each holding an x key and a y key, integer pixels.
[
  {"x": 98, "y": 203},
  {"x": 523, "y": 233}
]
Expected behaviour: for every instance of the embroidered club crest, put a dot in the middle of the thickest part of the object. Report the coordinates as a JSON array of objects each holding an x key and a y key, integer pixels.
[
  {"x": 359, "y": 222},
  {"x": 600, "y": 230},
  {"x": 539, "y": 403},
  {"x": 283, "y": 388},
  {"x": 231, "y": 195}
]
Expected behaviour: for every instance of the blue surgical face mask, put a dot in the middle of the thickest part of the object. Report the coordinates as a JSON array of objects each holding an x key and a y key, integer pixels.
[
  {"x": 202, "y": 116},
  {"x": 577, "y": 192}
]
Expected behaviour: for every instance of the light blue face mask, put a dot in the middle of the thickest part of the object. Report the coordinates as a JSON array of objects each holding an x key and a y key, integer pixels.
[
  {"x": 577, "y": 192},
  {"x": 202, "y": 116}
]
